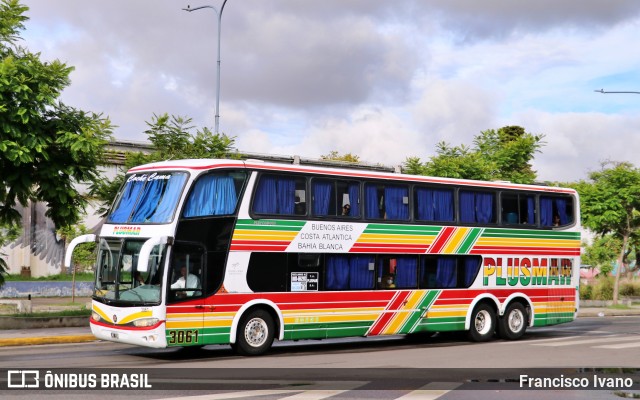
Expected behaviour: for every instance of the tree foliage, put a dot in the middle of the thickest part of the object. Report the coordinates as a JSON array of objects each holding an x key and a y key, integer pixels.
[
  {"x": 334, "y": 155},
  {"x": 46, "y": 147},
  {"x": 503, "y": 154},
  {"x": 610, "y": 205},
  {"x": 171, "y": 138}
]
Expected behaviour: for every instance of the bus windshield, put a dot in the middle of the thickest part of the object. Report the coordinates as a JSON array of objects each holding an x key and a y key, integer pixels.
[
  {"x": 148, "y": 198},
  {"x": 117, "y": 279}
]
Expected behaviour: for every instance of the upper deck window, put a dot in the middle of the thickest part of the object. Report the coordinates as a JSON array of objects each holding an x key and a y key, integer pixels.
[
  {"x": 215, "y": 194},
  {"x": 279, "y": 194},
  {"x": 477, "y": 206},
  {"x": 335, "y": 198},
  {"x": 433, "y": 204},
  {"x": 556, "y": 211},
  {"x": 389, "y": 202},
  {"x": 148, "y": 198}
]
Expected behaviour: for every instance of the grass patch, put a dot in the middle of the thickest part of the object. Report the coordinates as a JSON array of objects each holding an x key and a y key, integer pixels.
[
  {"x": 80, "y": 277},
  {"x": 66, "y": 313},
  {"x": 619, "y": 307}
]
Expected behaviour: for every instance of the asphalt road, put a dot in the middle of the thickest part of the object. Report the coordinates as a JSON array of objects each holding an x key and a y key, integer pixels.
[{"x": 391, "y": 367}]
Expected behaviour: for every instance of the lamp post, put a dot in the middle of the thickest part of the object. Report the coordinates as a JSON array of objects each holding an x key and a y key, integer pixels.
[
  {"x": 606, "y": 92},
  {"x": 219, "y": 15}
]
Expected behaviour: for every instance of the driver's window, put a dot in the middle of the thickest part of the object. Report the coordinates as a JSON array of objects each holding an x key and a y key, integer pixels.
[{"x": 186, "y": 271}]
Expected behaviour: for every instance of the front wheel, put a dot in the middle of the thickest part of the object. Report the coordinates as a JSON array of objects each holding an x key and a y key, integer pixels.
[
  {"x": 513, "y": 323},
  {"x": 483, "y": 323},
  {"x": 255, "y": 333}
]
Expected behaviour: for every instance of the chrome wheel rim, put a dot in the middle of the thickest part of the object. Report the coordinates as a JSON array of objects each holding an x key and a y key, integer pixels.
[
  {"x": 256, "y": 332},
  {"x": 483, "y": 322},
  {"x": 515, "y": 321}
]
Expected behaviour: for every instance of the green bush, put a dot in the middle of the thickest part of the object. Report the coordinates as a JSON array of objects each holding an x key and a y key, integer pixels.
[
  {"x": 603, "y": 288},
  {"x": 630, "y": 288},
  {"x": 586, "y": 292}
]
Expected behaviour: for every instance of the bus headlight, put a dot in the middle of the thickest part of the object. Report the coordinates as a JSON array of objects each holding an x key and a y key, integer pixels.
[
  {"x": 145, "y": 322},
  {"x": 95, "y": 316}
]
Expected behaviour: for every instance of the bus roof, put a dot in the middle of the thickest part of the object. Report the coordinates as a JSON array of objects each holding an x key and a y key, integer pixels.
[{"x": 199, "y": 165}]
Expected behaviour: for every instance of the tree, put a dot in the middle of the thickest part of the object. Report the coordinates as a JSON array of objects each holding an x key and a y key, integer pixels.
[
  {"x": 610, "y": 205},
  {"x": 335, "y": 156},
  {"x": 602, "y": 253},
  {"x": 46, "y": 147},
  {"x": 172, "y": 138},
  {"x": 504, "y": 154}
]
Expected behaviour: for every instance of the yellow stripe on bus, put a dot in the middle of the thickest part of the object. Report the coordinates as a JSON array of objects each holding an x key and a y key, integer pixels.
[
  {"x": 402, "y": 315},
  {"x": 455, "y": 240}
]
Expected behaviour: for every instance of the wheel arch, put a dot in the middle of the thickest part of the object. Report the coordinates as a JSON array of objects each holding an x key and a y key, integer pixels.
[
  {"x": 487, "y": 298},
  {"x": 269, "y": 306}
]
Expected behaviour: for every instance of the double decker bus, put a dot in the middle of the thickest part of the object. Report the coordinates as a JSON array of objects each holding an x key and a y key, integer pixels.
[{"x": 200, "y": 252}]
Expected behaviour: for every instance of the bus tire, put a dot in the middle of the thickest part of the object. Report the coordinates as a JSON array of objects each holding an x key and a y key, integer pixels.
[
  {"x": 513, "y": 324},
  {"x": 255, "y": 333},
  {"x": 483, "y": 323}
]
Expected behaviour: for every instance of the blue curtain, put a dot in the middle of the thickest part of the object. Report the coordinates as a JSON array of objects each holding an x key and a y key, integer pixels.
[
  {"x": 354, "y": 198},
  {"x": 546, "y": 211},
  {"x": 130, "y": 194},
  {"x": 266, "y": 196},
  {"x": 484, "y": 207},
  {"x": 561, "y": 205},
  {"x": 467, "y": 207},
  {"x": 443, "y": 204},
  {"x": 286, "y": 195},
  {"x": 406, "y": 272},
  {"x": 372, "y": 209},
  {"x": 149, "y": 200},
  {"x": 337, "y": 277},
  {"x": 321, "y": 197},
  {"x": 170, "y": 198},
  {"x": 212, "y": 195},
  {"x": 425, "y": 204},
  {"x": 446, "y": 276},
  {"x": 531, "y": 208},
  {"x": 394, "y": 205},
  {"x": 470, "y": 269},
  {"x": 360, "y": 277}
]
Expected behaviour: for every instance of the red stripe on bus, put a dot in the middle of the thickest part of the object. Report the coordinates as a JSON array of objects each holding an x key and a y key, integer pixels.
[
  {"x": 442, "y": 239},
  {"x": 389, "y": 313}
]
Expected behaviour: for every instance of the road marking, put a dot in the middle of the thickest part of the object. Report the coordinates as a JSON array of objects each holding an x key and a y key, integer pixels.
[
  {"x": 310, "y": 390},
  {"x": 430, "y": 391},
  {"x": 619, "y": 346},
  {"x": 607, "y": 339}
]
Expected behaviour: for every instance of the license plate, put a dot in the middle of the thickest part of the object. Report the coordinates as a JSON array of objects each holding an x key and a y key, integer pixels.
[{"x": 114, "y": 335}]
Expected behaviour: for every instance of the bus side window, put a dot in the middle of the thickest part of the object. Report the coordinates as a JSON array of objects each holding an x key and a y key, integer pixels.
[
  {"x": 281, "y": 195},
  {"x": 556, "y": 211}
]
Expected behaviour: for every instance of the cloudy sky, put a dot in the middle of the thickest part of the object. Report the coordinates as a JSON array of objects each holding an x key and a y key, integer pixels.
[{"x": 380, "y": 79}]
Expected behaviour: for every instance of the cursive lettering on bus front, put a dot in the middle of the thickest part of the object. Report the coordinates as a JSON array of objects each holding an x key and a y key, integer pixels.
[{"x": 144, "y": 177}]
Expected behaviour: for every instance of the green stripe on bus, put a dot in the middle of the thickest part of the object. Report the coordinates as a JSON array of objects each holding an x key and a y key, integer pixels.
[
  {"x": 270, "y": 222},
  {"x": 408, "y": 228},
  {"x": 468, "y": 241},
  {"x": 525, "y": 233},
  {"x": 416, "y": 317}
]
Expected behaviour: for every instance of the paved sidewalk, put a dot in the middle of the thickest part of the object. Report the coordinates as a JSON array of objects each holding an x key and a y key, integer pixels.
[{"x": 16, "y": 337}]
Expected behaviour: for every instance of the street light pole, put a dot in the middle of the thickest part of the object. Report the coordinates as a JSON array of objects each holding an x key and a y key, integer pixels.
[
  {"x": 219, "y": 15},
  {"x": 605, "y": 92}
]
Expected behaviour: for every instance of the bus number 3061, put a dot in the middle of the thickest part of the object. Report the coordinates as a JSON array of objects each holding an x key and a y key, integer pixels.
[{"x": 183, "y": 337}]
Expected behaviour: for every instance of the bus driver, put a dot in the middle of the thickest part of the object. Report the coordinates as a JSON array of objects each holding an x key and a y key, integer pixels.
[{"x": 186, "y": 281}]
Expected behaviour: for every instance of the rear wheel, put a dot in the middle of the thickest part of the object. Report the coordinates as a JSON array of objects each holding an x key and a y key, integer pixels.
[
  {"x": 513, "y": 323},
  {"x": 483, "y": 323},
  {"x": 255, "y": 333}
]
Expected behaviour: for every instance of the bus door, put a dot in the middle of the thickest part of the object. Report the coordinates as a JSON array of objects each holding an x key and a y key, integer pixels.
[{"x": 185, "y": 300}]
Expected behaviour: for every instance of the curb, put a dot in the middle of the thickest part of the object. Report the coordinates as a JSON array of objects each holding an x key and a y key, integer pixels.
[{"x": 47, "y": 340}]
